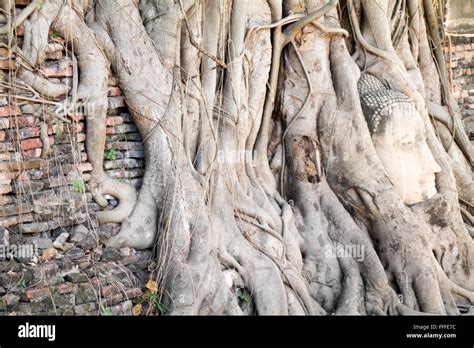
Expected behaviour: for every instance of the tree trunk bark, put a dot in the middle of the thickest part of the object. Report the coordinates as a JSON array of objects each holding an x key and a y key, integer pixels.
[{"x": 263, "y": 191}]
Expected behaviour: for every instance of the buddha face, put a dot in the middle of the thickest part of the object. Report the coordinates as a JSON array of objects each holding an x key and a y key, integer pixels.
[{"x": 400, "y": 143}]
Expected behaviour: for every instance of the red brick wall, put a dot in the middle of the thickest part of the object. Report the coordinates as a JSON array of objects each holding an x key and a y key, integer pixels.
[
  {"x": 42, "y": 203},
  {"x": 462, "y": 69}
]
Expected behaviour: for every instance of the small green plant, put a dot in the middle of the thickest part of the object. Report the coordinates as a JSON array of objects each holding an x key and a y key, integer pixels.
[
  {"x": 105, "y": 313},
  {"x": 244, "y": 296},
  {"x": 22, "y": 284},
  {"x": 111, "y": 154},
  {"x": 55, "y": 35},
  {"x": 79, "y": 186},
  {"x": 152, "y": 300},
  {"x": 58, "y": 130},
  {"x": 162, "y": 308},
  {"x": 39, "y": 4}
]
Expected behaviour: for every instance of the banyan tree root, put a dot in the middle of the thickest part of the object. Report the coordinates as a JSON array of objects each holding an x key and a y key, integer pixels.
[
  {"x": 453, "y": 231},
  {"x": 215, "y": 89},
  {"x": 91, "y": 92},
  {"x": 255, "y": 242}
]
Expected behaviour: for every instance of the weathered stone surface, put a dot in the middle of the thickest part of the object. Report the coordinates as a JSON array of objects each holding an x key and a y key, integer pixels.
[
  {"x": 83, "y": 237},
  {"x": 6, "y": 111},
  {"x": 8, "y": 210},
  {"x": 29, "y": 308},
  {"x": 35, "y": 227},
  {"x": 40, "y": 242},
  {"x": 11, "y": 299},
  {"x": 111, "y": 254},
  {"x": 124, "y": 308},
  {"x": 86, "y": 293},
  {"x": 44, "y": 272},
  {"x": 15, "y": 220},
  {"x": 4, "y": 236},
  {"x": 64, "y": 300},
  {"x": 27, "y": 109},
  {"x": 36, "y": 295},
  {"x": 107, "y": 231},
  {"x": 76, "y": 277},
  {"x": 75, "y": 253},
  {"x": 116, "y": 102},
  {"x": 86, "y": 309},
  {"x": 25, "y": 165},
  {"x": 61, "y": 239},
  {"x": 3, "y": 306},
  {"x": 10, "y": 279},
  {"x": 66, "y": 288}
]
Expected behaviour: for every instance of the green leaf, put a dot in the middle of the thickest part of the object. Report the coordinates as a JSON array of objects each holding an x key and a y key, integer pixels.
[
  {"x": 58, "y": 130},
  {"x": 106, "y": 314},
  {"x": 55, "y": 35},
  {"x": 111, "y": 154},
  {"x": 245, "y": 296},
  {"x": 162, "y": 308},
  {"x": 79, "y": 186},
  {"x": 39, "y": 4},
  {"x": 22, "y": 284}
]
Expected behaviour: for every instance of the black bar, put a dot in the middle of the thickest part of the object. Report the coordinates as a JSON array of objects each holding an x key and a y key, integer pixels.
[{"x": 242, "y": 330}]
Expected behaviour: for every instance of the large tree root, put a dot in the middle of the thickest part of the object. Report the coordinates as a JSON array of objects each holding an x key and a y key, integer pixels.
[
  {"x": 194, "y": 76},
  {"x": 91, "y": 93}
]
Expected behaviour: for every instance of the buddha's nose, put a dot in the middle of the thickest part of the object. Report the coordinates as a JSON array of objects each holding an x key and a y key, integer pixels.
[{"x": 430, "y": 163}]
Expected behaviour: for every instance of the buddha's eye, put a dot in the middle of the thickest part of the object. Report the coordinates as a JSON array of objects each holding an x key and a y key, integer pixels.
[{"x": 407, "y": 144}]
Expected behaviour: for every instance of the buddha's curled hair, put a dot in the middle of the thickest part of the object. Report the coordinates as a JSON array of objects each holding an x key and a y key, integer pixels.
[{"x": 378, "y": 102}]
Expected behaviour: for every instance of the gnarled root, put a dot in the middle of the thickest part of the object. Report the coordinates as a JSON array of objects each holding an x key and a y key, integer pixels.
[
  {"x": 42, "y": 85},
  {"x": 139, "y": 229},
  {"x": 125, "y": 193}
]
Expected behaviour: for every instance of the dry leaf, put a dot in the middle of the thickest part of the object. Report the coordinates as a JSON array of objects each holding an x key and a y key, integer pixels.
[
  {"x": 49, "y": 254},
  {"x": 152, "y": 286},
  {"x": 137, "y": 309}
]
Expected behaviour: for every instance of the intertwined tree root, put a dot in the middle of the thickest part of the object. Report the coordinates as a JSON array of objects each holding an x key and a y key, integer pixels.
[{"x": 218, "y": 90}]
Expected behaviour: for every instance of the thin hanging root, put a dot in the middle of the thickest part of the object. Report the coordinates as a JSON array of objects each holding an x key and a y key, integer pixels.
[
  {"x": 290, "y": 32},
  {"x": 442, "y": 115},
  {"x": 331, "y": 31},
  {"x": 460, "y": 136},
  {"x": 45, "y": 140},
  {"x": 295, "y": 283},
  {"x": 196, "y": 44},
  {"x": 253, "y": 221},
  {"x": 295, "y": 18},
  {"x": 297, "y": 116},
  {"x": 279, "y": 23},
  {"x": 122, "y": 191},
  {"x": 280, "y": 40},
  {"x": 261, "y": 143},
  {"x": 27, "y": 11},
  {"x": 467, "y": 215},
  {"x": 448, "y": 288},
  {"x": 362, "y": 41},
  {"x": 453, "y": 288}
]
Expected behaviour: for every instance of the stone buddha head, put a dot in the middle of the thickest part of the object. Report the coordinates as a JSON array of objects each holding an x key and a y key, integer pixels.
[{"x": 399, "y": 137}]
